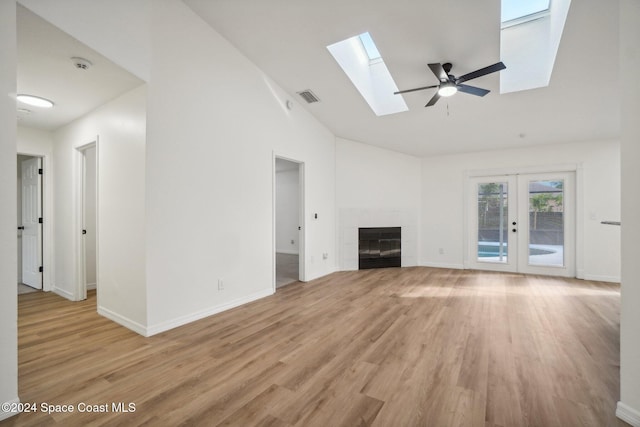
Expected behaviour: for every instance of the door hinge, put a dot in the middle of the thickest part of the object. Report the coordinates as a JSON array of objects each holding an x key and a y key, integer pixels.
[
  {"x": 40, "y": 220},
  {"x": 40, "y": 171},
  {"x": 40, "y": 269}
]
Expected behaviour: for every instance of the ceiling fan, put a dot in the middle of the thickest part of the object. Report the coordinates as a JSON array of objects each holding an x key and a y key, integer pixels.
[{"x": 450, "y": 84}]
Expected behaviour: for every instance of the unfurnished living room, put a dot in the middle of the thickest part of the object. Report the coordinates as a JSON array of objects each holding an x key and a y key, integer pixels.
[{"x": 340, "y": 213}]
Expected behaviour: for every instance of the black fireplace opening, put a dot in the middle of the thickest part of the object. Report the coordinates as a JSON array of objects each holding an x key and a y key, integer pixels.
[{"x": 379, "y": 247}]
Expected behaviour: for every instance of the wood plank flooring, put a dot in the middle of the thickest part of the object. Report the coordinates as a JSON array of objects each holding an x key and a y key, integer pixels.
[{"x": 393, "y": 347}]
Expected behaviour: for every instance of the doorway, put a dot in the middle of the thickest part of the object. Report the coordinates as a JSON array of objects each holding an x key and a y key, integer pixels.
[
  {"x": 289, "y": 218},
  {"x": 30, "y": 221},
  {"x": 87, "y": 230},
  {"x": 523, "y": 223}
]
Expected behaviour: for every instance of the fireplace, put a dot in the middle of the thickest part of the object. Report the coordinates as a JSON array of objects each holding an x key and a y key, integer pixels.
[{"x": 379, "y": 247}]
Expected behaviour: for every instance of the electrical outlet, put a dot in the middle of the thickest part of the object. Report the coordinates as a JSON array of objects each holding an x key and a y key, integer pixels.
[
  {"x": 325, "y": 255},
  {"x": 441, "y": 251},
  {"x": 220, "y": 285}
]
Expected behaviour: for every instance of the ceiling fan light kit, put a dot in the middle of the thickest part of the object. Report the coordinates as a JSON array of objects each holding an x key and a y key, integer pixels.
[
  {"x": 450, "y": 84},
  {"x": 447, "y": 89}
]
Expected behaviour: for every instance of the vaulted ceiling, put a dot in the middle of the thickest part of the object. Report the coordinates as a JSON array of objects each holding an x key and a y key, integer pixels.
[
  {"x": 288, "y": 40},
  {"x": 45, "y": 69}
]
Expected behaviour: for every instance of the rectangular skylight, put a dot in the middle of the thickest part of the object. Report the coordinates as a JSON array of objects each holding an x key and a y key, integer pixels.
[
  {"x": 361, "y": 61},
  {"x": 369, "y": 46},
  {"x": 517, "y": 9}
]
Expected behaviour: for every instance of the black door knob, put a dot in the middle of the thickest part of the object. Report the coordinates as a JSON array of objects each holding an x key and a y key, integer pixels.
[
  {"x": 513, "y": 223},
  {"x": 514, "y": 230},
  {"x": 21, "y": 227}
]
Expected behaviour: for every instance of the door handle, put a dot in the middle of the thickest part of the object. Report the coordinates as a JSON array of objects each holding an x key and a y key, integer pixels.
[
  {"x": 21, "y": 227},
  {"x": 514, "y": 230},
  {"x": 84, "y": 231},
  {"x": 513, "y": 223}
]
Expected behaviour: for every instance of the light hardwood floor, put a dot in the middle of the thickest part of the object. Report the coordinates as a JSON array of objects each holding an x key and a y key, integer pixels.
[{"x": 393, "y": 347}]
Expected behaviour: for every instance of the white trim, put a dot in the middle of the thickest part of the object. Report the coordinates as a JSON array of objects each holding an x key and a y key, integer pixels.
[
  {"x": 302, "y": 214},
  {"x": 454, "y": 266},
  {"x": 65, "y": 294},
  {"x": 598, "y": 278},
  {"x": 569, "y": 167},
  {"x": 628, "y": 414},
  {"x": 78, "y": 218},
  {"x": 91, "y": 286},
  {"x": 5, "y": 415},
  {"x": 123, "y": 321},
  {"x": 183, "y": 320},
  {"x": 287, "y": 252}
]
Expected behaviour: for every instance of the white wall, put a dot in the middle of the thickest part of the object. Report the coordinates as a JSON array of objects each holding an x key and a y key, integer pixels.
[
  {"x": 120, "y": 125},
  {"x": 443, "y": 204},
  {"x": 90, "y": 215},
  {"x": 8, "y": 247},
  {"x": 629, "y": 405},
  {"x": 287, "y": 206},
  {"x": 213, "y": 128},
  {"x": 375, "y": 188}
]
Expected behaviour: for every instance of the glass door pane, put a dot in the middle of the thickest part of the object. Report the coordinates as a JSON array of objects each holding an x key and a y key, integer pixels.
[
  {"x": 493, "y": 222},
  {"x": 546, "y": 222}
]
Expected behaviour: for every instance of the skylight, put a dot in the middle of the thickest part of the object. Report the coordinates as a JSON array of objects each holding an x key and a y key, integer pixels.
[
  {"x": 518, "y": 11},
  {"x": 361, "y": 61},
  {"x": 529, "y": 39},
  {"x": 369, "y": 46}
]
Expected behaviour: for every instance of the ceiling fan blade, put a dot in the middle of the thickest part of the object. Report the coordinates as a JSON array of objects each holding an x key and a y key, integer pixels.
[
  {"x": 433, "y": 100},
  {"x": 472, "y": 90},
  {"x": 439, "y": 72},
  {"x": 413, "y": 90},
  {"x": 481, "y": 72}
]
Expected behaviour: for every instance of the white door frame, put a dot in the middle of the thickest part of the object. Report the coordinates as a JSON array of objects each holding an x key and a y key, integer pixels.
[
  {"x": 576, "y": 168},
  {"x": 302, "y": 218},
  {"x": 79, "y": 221},
  {"x": 47, "y": 215}
]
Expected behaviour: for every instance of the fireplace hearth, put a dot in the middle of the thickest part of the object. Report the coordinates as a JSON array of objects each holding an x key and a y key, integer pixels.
[{"x": 379, "y": 247}]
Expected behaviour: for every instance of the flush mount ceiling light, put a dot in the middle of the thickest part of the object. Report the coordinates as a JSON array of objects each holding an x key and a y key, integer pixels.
[
  {"x": 35, "y": 101},
  {"x": 447, "y": 89}
]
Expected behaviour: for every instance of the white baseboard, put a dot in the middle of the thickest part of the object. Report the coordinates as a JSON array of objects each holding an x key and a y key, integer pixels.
[
  {"x": 124, "y": 321},
  {"x": 4, "y": 415},
  {"x": 442, "y": 265},
  {"x": 65, "y": 294},
  {"x": 628, "y": 414},
  {"x": 286, "y": 252},
  {"x": 183, "y": 320},
  {"x": 596, "y": 278},
  {"x": 91, "y": 286}
]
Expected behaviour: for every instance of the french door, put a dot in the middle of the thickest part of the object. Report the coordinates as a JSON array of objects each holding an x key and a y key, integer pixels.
[{"x": 522, "y": 223}]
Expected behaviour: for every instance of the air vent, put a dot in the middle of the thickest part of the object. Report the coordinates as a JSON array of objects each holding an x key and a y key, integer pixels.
[{"x": 309, "y": 96}]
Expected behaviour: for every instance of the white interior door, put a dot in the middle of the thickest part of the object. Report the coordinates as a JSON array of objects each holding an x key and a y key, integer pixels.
[
  {"x": 32, "y": 231},
  {"x": 523, "y": 223}
]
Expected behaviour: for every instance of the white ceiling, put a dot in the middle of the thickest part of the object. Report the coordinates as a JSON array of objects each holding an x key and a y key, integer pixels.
[
  {"x": 288, "y": 39},
  {"x": 45, "y": 69}
]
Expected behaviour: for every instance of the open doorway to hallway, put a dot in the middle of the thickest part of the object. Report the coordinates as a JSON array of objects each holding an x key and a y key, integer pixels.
[
  {"x": 88, "y": 215},
  {"x": 289, "y": 236}
]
